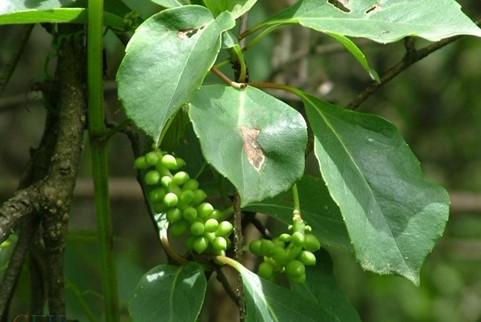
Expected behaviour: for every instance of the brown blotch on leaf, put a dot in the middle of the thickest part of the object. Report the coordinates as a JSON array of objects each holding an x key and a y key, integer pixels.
[{"x": 251, "y": 147}]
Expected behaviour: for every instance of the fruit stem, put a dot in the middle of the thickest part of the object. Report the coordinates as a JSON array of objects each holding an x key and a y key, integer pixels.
[
  {"x": 169, "y": 250},
  {"x": 296, "y": 213}
]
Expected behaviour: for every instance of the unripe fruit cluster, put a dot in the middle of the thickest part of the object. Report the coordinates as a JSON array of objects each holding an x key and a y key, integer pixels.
[
  {"x": 173, "y": 192},
  {"x": 287, "y": 253}
]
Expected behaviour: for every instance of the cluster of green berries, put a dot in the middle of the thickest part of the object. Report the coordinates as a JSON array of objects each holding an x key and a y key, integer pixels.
[
  {"x": 173, "y": 192},
  {"x": 287, "y": 253}
]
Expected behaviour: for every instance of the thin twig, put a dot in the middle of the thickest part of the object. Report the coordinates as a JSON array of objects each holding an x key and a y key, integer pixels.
[
  {"x": 12, "y": 272},
  {"x": 225, "y": 283},
  {"x": 17, "y": 52},
  {"x": 242, "y": 28},
  {"x": 412, "y": 56}
]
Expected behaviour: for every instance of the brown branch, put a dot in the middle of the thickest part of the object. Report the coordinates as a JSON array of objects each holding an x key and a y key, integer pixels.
[
  {"x": 411, "y": 57},
  {"x": 47, "y": 187},
  {"x": 63, "y": 172}
]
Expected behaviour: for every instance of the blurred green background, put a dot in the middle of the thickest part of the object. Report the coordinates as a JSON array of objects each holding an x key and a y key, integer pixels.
[{"x": 436, "y": 104}]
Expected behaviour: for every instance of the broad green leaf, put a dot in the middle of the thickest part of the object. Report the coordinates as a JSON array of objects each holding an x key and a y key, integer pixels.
[
  {"x": 169, "y": 293},
  {"x": 255, "y": 140},
  {"x": 171, "y": 3},
  {"x": 392, "y": 213},
  {"x": 166, "y": 61},
  {"x": 269, "y": 302},
  {"x": 381, "y": 21},
  {"x": 317, "y": 207},
  {"x": 116, "y": 14},
  {"x": 321, "y": 287},
  {"x": 236, "y": 7}
]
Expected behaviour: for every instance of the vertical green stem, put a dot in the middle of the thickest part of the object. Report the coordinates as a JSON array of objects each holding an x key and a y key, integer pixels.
[
  {"x": 296, "y": 214},
  {"x": 97, "y": 131}
]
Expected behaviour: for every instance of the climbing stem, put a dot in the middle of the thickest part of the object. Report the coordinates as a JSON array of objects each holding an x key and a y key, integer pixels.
[{"x": 97, "y": 131}]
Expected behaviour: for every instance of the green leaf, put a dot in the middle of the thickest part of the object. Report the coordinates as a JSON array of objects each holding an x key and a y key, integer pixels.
[
  {"x": 236, "y": 7},
  {"x": 384, "y": 22},
  {"x": 169, "y": 293},
  {"x": 171, "y": 3},
  {"x": 357, "y": 53},
  {"x": 255, "y": 140},
  {"x": 317, "y": 207},
  {"x": 116, "y": 14},
  {"x": 269, "y": 302},
  {"x": 166, "y": 61},
  {"x": 321, "y": 287},
  {"x": 392, "y": 213}
]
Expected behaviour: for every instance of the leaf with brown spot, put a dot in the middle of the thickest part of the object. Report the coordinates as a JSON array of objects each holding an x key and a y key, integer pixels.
[
  {"x": 251, "y": 147},
  {"x": 255, "y": 140}
]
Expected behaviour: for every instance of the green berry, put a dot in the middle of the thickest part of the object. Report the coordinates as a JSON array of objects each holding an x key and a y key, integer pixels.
[
  {"x": 199, "y": 196},
  {"x": 266, "y": 270},
  {"x": 292, "y": 252},
  {"x": 200, "y": 244},
  {"x": 279, "y": 243},
  {"x": 174, "y": 188},
  {"x": 255, "y": 247},
  {"x": 211, "y": 225},
  {"x": 267, "y": 247},
  {"x": 225, "y": 228},
  {"x": 280, "y": 256},
  {"x": 210, "y": 236},
  {"x": 205, "y": 209},
  {"x": 191, "y": 184},
  {"x": 311, "y": 243},
  {"x": 152, "y": 158},
  {"x": 152, "y": 177},
  {"x": 171, "y": 199},
  {"x": 197, "y": 228},
  {"x": 180, "y": 162},
  {"x": 298, "y": 238},
  {"x": 284, "y": 237},
  {"x": 169, "y": 162},
  {"x": 307, "y": 258},
  {"x": 162, "y": 170},
  {"x": 189, "y": 241},
  {"x": 181, "y": 178},
  {"x": 178, "y": 228},
  {"x": 141, "y": 163},
  {"x": 295, "y": 268},
  {"x": 219, "y": 243},
  {"x": 160, "y": 207},
  {"x": 157, "y": 194},
  {"x": 189, "y": 214},
  {"x": 216, "y": 214},
  {"x": 186, "y": 196},
  {"x": 174, "y": 214},
  {"x": 166, "y": 180}
]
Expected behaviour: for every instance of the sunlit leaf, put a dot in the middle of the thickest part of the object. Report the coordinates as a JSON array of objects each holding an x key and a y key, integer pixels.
[
  {"x": 392, "y": 213},
  {"x": 166, "y": 61},
  {"x": 169, "y": 293},
  {"x": 255, "y": 140}
]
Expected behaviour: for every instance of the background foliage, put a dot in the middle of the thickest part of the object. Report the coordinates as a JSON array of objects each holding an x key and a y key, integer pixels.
[{"x": 436, "y": 105}]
